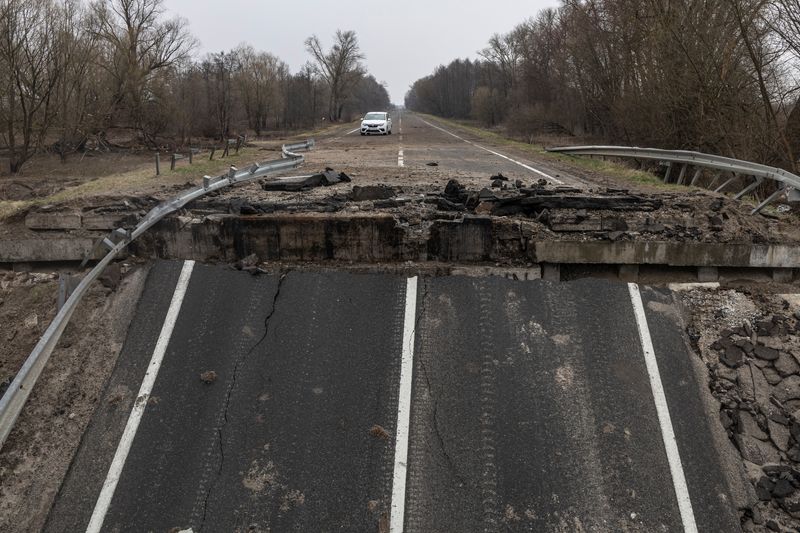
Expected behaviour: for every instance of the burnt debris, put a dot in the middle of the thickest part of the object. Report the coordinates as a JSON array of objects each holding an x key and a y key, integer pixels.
[{"x": 323, "y": 179}]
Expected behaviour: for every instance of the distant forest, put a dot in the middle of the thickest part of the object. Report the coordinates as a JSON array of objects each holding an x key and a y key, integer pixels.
[
  {"x": 72, "y": 71},
  {"x": 718, "y": 76}
]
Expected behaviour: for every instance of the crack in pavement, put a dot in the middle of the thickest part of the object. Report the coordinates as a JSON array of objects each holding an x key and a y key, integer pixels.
[
  {"x": 236, "y": 366},
  {"x": 449, "y": 460}
]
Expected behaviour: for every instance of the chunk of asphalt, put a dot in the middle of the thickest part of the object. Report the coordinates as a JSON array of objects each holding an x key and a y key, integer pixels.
[
  {"x": 782, "y": 489},
  {"x": 733, "y": 356},
  {"x": 371, "y": 192},
  {"x": 765, "y": 353}
]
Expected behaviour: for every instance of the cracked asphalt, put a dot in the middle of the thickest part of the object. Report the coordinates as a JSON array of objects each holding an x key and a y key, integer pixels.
[{"x": 531, "y": 410}]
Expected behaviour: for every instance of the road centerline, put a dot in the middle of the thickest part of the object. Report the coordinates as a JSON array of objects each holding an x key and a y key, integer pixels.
[
  {"x": 662, "y": 409},
  {"x": 137, "y": 411},
  {"x": 396, "y": 521},
  {"x": 498, "y": 154}
]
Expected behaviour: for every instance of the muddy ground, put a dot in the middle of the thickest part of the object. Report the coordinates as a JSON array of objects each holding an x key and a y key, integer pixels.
[{"x": 39, "y": 450}]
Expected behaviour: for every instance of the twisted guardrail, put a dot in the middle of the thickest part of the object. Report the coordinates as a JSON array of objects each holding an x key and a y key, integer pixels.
[
  {"x": 699, "y": 160},
  {"x": 15, "y": 397}
]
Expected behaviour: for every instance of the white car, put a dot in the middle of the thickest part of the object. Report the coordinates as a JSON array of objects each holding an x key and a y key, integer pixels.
[{"x": 376, "y": 122}]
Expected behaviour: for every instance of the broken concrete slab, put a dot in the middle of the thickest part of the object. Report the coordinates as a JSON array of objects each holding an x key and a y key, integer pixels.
[
  {"x": 35, "y": 250},
  {"x": 323, "y": 179},
  {"x": 53, "y": 220}
]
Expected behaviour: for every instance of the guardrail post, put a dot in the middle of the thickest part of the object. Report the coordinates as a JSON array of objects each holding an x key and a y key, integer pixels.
[
  {"x": 748, "y": 188},
  {"x": 66, "y": 285},
  {"x": 768, "y": 200},
  {"x": 696, "y": 176},
  {"x": 227, "y": 146},
  {"x": 172, "y": 163},
  {"x": 682, "y": 175},
  {"x": 190, "y": 155},
  {"x": 721, "y": 187},
  {"x": 238, "y": 144},
  {"x": 714, "y": 181},
  {"x": 158, "y": 167},
  {"x": 668, "y": 172},
  {"x": 213, "y": 149}
]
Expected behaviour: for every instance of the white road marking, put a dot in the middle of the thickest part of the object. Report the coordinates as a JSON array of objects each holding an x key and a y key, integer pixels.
[
  {"x": 404, "y": 410},
  {"x": 498, "y": 154},
  {"x": 664, "y": 420},
  {"x": 117, "y": 464},
  {"x": 400, "y": 162},
  {"x": 343, "y": 136}
]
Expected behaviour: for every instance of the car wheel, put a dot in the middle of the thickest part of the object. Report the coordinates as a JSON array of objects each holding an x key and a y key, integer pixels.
[
  {"x": 362, "y": 133},
  {"x": 390, "y": 132}
]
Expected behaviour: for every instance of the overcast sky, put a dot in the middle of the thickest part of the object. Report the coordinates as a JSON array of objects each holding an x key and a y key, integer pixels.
[{"x": 402, "y": 41}]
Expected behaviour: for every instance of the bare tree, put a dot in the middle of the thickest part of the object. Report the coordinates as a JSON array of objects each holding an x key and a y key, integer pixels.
[
  {"x": 139, "y": 47},
  {"x": 31, "y": 65},
  {"x": 78, "y": 50},
  {"x": 257, "y": 79},
  {"x": 340, "y": 67}
]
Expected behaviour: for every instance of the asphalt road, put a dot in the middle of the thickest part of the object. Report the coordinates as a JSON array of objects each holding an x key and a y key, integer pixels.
[
  {"x": 404, "y": 157},
  {"x": 532, "y": 408}
]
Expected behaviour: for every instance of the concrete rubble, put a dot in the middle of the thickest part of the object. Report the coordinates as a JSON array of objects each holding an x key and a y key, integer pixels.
[{"x": 750, "y": 344}]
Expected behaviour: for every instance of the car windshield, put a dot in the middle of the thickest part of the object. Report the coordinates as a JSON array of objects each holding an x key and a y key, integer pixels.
[{"x": 375, "y": 116}]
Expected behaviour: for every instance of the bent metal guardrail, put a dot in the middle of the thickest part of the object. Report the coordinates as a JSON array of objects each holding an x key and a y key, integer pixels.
[
  {"x": 786, "y": 180},
  {"x": 14, "y": 399}
]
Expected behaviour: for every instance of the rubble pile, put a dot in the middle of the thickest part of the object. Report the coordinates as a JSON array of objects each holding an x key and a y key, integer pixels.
[
  {"x": 610, "y": 213},
  {"x": 754, "y": 373}
]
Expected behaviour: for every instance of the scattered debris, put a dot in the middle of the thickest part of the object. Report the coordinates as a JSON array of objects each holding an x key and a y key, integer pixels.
[
  {"x": 433, "y": 164},
  {"x": 250, "y": 261},
  {"x": 378, "y": 432},
  {"x": 324, "y": 179},
  {"x": 751, "y": 346},
  {"x": 208, "y": 377},
  {"x": 111, "y": 276}
]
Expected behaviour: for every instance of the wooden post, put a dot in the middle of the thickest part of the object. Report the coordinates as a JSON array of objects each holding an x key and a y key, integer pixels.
[
  {"x": 227, "y": 146},
  {"x": 190, "y": 155},
  {"x": 238, "y": 144},
  {"x": 172, "y": 163},
  {"x": 158, "y": 167},
  {"x": 213, "y": 149}
]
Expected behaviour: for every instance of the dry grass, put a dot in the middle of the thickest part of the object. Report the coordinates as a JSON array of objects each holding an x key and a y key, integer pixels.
[
  {"x": 141, "y": 180},
  {"x": 118, "y": 174}
]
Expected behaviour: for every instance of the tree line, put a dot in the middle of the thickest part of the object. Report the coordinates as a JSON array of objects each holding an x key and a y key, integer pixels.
[
  {"x": 719, "y": 76},
  {"x": 71, "y": 72}
]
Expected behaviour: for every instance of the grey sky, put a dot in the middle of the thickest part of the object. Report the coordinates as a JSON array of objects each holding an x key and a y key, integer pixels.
[{"x": 402, "y": 41}]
